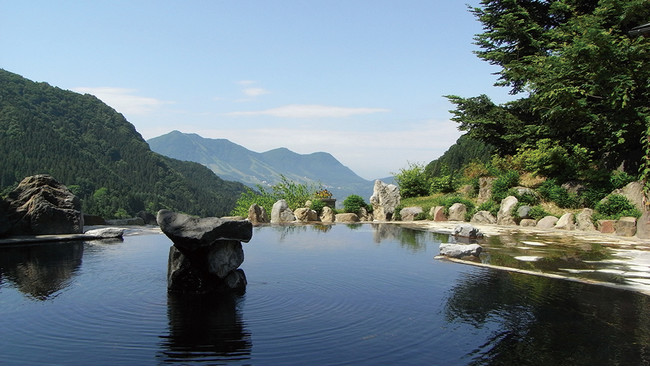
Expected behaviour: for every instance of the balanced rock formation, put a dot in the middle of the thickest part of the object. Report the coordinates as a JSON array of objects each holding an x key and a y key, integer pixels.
[
  {"x": 42, "y": 205},
  {"x": 385, "y": 199},
  {"x": 206, "y": 254}
]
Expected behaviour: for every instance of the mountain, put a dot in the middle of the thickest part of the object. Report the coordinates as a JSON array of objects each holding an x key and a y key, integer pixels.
[
  {"x": 234, "y": 162},
  {"x": 98, "y": 154}
]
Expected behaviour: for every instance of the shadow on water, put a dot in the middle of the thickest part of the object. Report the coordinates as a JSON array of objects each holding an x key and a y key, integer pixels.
[
  {"x": 205, "y": 329},
  {"x": 551, "y": 322},
  {"x": 41, "y": 271}
]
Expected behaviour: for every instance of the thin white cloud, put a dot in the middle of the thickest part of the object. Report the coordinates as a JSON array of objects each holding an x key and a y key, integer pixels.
[
  {"x": 124, "y": 100},
  {"x": 309, "y": 111},
  {"x": 254, "y": 92}
]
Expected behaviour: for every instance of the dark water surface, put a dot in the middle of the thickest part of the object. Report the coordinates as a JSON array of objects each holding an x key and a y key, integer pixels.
[{"x": 360, "y": 295}]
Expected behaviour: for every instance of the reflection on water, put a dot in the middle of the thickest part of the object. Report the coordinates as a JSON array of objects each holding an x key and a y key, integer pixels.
[
  {"x": 370, "y": 294},
  {"x": 41, "y": 271},
  {"x": 206, "y": 329},
  {"x": 550, "y": 322}
]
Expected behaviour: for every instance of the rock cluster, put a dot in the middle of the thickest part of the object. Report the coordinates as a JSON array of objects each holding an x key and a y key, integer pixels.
[
  {"x": 40, "y": 205},
  {"x": 206, "y": 253}
]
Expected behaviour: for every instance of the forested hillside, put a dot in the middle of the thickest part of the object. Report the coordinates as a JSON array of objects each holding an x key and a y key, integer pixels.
[{"x": 98, "y": 154}]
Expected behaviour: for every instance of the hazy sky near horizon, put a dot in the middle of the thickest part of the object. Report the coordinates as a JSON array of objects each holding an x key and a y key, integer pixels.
[{"x": 361, "y": 79}]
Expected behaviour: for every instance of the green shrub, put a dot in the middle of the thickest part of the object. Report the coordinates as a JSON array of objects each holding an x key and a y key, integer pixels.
[
  {"x": 524, "y": 199},
  {"x": 537, "y": 212},
  {"x": 503, "y": 183},
  {"x": 448, "y": 201},
  {"x": 318, "y": 205},
  {"x": 353, "y": 203},
  {"x": 413, "y": 181},
  {"x": 491, "y": 206},
  {"x": 551, "y": 191},
  {"x": 614, "y": 207},
  {"x": 619, "y": 179}
]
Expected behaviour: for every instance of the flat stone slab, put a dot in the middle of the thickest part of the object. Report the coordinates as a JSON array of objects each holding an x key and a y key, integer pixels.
[
  {"x": 103, "y": 233},
  {"x": 189, "y": 233}
]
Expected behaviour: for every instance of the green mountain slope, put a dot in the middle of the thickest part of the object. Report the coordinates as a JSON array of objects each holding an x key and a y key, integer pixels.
[
  {"x": 234, "y": 162},
  {"x": 98, "y": 154}
]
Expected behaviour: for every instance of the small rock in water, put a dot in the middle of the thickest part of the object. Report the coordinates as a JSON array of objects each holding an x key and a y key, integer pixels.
[{"x": 458, "y": 251}]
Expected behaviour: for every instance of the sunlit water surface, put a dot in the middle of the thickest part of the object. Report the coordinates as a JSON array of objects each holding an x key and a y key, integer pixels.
[{"x": 317, "y": 295}]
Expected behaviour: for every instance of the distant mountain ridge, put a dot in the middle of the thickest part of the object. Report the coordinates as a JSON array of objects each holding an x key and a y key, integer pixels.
[{"x": 234, "y": 162}]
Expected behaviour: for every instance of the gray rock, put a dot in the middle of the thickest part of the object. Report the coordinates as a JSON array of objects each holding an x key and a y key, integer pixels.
[
  {"x": 409, "y": 213},
  {"x": 106, "y": 232},
  {"x": 584, "y": 222},
  {"x": 42, "y": 205},
  {"x": 565, "y": 222},
  {"x": 189, "y": 233},
  {"x": 458, "y": 251},
  {"x": 504, "y": 217},
  {"x": 224, "y": 257},
  {"x": 483, "y": 217},
  {"x": 467, "y": 231},
  {"x": 147, "y": 217},
  {"x": 626, "y": 226},
  {"x": 346, "y": 217},
  {"x": 257, "y": 214},
  {"x": 327, "y": 215},
  {"x": 523, "y": 212},
  {"x": 384, "y": 200},
  {"x": 547, "y": 222},
  {"x": 485, "y": 188},
  {"x": 280, "y": 213},
  {"x": 457, "y": 212},
  {"x": 194, "y": 273}
]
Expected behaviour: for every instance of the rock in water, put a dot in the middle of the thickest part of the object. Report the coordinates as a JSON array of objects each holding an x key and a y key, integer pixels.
[
  {"x": 42, "y": 205},
  {"x": 206, "y": 253},
  {"x": 458, "y": 251}
]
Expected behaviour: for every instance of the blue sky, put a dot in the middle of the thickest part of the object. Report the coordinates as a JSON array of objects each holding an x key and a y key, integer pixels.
[{"x": 362, "y": 80}]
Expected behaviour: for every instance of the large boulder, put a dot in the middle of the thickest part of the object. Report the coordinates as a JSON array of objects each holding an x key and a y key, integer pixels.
[
  {"x": 583, "y": 220},
  {"x": 410, "y": 213},
  {"x": 438, "y": 214},
  {"x": 504, "y": 216},
  {"x": 327, "y": 215},
  {"x": 190, "y": 233},
  {"x": 565, "y": 222},
  {"x": 346, "y": 217},
  {"x": 467, "y": 231},
  {"x": 547, "y": 222},
  {"x": 483, "y": 217},
  {"x": 305, "y": 215},
  {"x": 384, "y": 200},
  {"x": 457, "y": 212},
  {"x": 364, "y": 216},
  {"x": 257, "y": 214},
  {"x": 280, "y": 213},
  {"x": 42, "y": 205},
  {"x": 485, "y": 189},
  {"x": 626, "y": 226}
]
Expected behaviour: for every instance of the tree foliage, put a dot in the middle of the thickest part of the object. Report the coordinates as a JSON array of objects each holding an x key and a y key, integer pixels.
[
  {"x": 294, "y": 193},
  {"x": 585, "y": 76},
  {"x": 413, "y": 181},
  {"x": 97, "y": 153}
]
